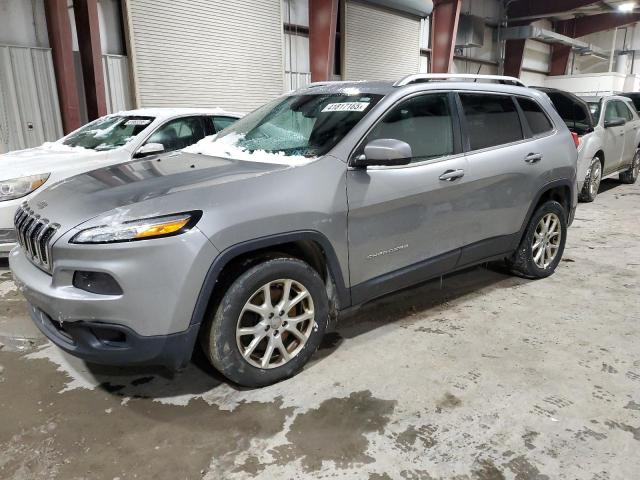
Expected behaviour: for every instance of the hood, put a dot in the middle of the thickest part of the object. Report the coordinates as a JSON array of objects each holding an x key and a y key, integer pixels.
[
  {"x": 45, "y": 159},
  {"x": 144, "y": 188}
]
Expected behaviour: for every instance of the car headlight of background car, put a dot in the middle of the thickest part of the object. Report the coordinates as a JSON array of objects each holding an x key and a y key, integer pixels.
[
  {"x": 19, "y": 187},
  {"x": 163, "y": 226}
]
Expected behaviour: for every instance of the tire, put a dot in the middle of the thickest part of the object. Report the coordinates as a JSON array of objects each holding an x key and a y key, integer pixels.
[
  {"x": 526, "y": 262},
  {"x": 592, "y": 182},
  {"x": 244, "y": 306},
  {"x": 630, "y": 176}
]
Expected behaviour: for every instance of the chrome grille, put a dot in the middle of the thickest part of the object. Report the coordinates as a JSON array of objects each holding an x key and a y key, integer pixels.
[{"x": 34, "y": 235}]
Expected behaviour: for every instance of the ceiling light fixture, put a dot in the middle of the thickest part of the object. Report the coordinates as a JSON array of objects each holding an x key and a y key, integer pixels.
[{"x": 626, "y": 7}]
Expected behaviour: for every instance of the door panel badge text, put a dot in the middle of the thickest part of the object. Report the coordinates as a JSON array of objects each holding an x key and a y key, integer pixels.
[{"x": 387, "y": 252}]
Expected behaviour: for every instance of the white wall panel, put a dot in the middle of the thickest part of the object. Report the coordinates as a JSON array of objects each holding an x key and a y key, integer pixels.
[
  {"x": 117, "y": 83},
  {"x": 206, "y": 53},
  {"x": 296, "y": 61},
  {"x": 29, "y": 108},
  {"x": 380, "y": 44}
]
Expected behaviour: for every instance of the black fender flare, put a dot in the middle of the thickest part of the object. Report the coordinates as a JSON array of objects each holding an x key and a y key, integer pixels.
[
  {"x": 206, "y": 291},
  {"x": 532, "y": 207}
]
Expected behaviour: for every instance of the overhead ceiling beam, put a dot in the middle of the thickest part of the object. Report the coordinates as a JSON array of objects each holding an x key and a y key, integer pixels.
[
  {"x": 513, "y": 55},
  {"x": 543, "y": 8},
  {"x": 581, "y": 26}
]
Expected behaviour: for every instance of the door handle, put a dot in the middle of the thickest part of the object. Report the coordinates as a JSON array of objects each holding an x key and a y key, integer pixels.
[
  {"x": 533, "y": 158},
  {"x": 451, "y": 175}
]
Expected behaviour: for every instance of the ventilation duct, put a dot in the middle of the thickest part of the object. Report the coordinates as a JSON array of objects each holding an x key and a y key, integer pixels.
[{"x": 470, "y": 31}]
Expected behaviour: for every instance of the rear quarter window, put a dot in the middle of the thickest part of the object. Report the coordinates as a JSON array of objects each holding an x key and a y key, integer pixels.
[{"x": 538, "y": 121}]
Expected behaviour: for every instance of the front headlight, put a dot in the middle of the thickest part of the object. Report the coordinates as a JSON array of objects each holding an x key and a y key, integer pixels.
[
  {"x": 19, "y": 187},
  {"x": 165, "y": 226}
]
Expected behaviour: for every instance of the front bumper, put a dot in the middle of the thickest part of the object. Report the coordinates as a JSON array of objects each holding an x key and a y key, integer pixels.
[
  {"x": 110, "y": 344},
  {"x": 150, "y": 322},
  {"x": 7, "y": 241}
]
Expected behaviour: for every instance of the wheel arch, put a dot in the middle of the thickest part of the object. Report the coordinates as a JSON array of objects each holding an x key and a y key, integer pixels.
[
  {"x": 308, "y": 245},
  {"x": 560, "y": 191}
]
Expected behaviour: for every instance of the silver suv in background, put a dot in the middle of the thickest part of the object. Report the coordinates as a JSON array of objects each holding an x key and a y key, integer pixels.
[
  {"x": 576, "y": 114},
  {"x": 321, "y": 200},
  {"x": 617, "y": 125}
]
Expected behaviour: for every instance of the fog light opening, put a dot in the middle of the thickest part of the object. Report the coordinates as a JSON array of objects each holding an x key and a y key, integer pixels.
[{"x": 96, "y": 282}]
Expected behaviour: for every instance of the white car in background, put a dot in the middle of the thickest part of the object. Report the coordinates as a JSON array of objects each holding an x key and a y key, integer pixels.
[
  {"x": 109, "y": 140},
  {"x": 607, "y": 135},
  {"x": 617, "y": 123}
]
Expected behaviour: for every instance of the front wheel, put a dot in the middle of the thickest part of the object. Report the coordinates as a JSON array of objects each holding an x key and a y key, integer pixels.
[
  {"x": 592, "y": 182},
  {"x": 630, "y": 176},
  {"x": 543, "y": 243},
  {"x": 268, "y": 324}
]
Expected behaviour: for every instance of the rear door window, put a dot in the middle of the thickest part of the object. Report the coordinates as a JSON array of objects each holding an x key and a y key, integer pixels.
[
  {"x": 492, "y": 120},
  {"x": 538, "y": 121},
  {"x": 623, "y": 111},
  {"x": 611, "y": 111}
]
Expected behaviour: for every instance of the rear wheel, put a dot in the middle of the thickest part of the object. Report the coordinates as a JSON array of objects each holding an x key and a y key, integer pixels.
[
  {"x": 631, "y": 175},
  {"x": 543, "y": 243},
  {"x": 592, "y": 182},
  {"x": 268, "y": 323}
]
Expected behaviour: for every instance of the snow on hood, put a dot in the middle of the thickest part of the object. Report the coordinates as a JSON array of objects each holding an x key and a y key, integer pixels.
[
  {"x": 46, "y": 158},
  {"x": 227, "y": 147},
  {"x": 48, "y": 147}
]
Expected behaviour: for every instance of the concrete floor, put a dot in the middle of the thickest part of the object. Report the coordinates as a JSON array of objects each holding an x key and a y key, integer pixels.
[{"x": 489, "y": 377}]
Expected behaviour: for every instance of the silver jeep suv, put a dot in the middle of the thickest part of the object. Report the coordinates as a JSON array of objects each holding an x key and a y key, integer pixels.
[{"x": 254, "y": 241}]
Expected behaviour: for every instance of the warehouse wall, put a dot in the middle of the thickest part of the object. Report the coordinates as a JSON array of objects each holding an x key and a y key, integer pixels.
[{"x": 23, "y": 23}]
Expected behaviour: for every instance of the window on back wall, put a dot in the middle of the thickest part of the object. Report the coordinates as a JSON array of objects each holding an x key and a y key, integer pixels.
[
  {"x": 296, "y": 43},
  {"x": 425, "y": 49}
]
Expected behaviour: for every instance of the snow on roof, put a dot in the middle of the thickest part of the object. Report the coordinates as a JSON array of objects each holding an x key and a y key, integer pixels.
[{"x": 166, "y": 112}]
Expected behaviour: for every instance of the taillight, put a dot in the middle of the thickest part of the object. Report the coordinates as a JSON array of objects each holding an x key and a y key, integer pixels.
[{"x": 576, "y": 139}]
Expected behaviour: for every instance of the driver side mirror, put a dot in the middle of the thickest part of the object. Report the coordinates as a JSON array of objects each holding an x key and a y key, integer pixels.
[
  {"x": 614, "y": 122},
  {"x": 385, "y": 152},
  {"x": 149, "y": 149}
]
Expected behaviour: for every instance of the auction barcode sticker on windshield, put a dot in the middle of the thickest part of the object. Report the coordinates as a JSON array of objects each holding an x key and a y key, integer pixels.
[
  {"x": 346, "y": 107},
  {"x": 138, "y": 121}
]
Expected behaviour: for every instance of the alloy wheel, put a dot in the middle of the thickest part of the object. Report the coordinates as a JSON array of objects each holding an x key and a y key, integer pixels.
[
  {"x": 275, "y": 323},
  {"x": 546, "y": 240},
  {"x": 596, "y": 177},
  {"x": 635, "y": 166}
]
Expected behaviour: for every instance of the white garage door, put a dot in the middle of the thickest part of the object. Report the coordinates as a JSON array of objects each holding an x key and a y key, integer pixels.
[
  {"x": 206, "y": 52},
  {"x": 380, "y": 44}
]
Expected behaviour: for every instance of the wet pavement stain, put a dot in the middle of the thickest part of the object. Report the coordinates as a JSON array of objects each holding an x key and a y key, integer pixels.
[
  {"x": 635, "y": 431},
  {"x": 528, "y": 438},
  {"x": 487, "y": 471},
  {"x": 448, "y": 401},
  {"x": 335, "y": 431},
  {"x": 632, "y": 405},
  {"x": 524, "y": 470},
  {"x": 39, "y": 438},
  {"x": 417, "y": 437}
]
